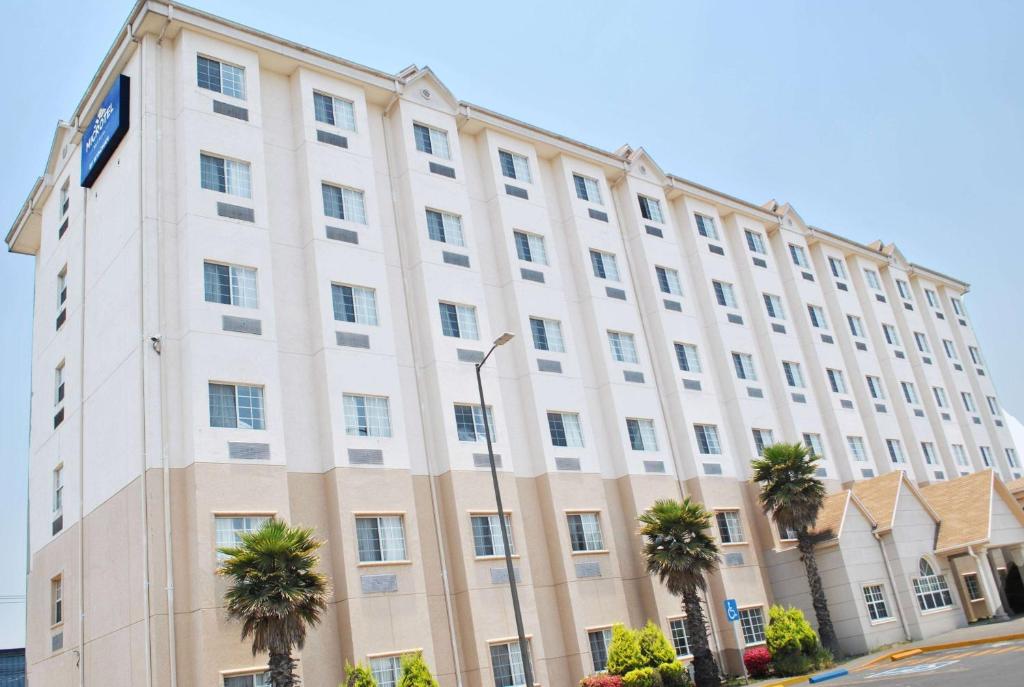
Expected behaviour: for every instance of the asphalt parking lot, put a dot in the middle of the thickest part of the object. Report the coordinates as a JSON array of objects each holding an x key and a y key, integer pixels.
[{"x": 999, "y": 663}]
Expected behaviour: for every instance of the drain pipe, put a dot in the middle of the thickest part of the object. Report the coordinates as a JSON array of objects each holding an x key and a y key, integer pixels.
[
  {"x": 81, "y": 453},
  {"x": 892, "y": 586}
]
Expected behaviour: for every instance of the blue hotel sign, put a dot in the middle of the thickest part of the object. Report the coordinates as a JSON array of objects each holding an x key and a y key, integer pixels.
[{"x": 105, "y": 130}]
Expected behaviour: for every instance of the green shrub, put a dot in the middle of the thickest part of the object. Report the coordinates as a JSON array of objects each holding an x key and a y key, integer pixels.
[
  {"x": 789, "y": 632},
  {"x": 624, "y": 652},
  {"x": 673, "y": 674},
  {"x": 654, "y": 646},
  {"x": 792, "y": 663},
  {"x": 822, "y": 658},
  {"x": 358, "y": 675},
  {"x": 642, "y": 677},
  {"x": 415, "y": 672}
]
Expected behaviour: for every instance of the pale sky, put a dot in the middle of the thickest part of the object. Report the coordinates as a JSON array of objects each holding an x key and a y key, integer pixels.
[{"x": 900, "y": 121}]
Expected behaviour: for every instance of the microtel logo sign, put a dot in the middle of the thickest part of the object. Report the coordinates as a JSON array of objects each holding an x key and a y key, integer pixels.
[{"x": 105, "y": 130}]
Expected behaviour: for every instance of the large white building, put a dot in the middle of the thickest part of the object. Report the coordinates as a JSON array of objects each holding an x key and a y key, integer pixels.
[{"x": 268, "y": 297}]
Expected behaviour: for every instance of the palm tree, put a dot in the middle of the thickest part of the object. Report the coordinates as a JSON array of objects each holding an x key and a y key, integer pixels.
[
  {"x": 678, "y": 548},
  {"x": 276, "y": 592},
  {"x": 792, "y": 495}
]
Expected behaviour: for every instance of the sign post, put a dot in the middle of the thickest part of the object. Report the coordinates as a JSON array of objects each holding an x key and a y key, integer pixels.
[{"x": 732, "y": 614}]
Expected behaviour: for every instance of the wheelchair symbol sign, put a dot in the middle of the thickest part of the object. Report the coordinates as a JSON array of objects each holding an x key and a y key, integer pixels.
[{"x": 732, "y": 612}]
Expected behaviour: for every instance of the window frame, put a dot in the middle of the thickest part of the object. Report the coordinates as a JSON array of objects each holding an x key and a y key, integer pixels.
[
  {"x": 371, "y": 424},
  {"x": 494, "y": 533},
  {"x": 430, "y": 142},
  {"x": 464, "y": 313},
  {"x": 236, "y": 184},
  {"x": 527, "y": 177},
  {"x": 561, "y": 415},
  {"x": 579, "y": 182},
  {"x": 873, "y": 595},
  {"x": 358, "y": 213},
  {"x": 334, "y": 100},
  {"x": 379, "y": 517},
  {"x": 253, "y": 408},
  {"x": 640, "y": 430},
  {"x": 220, "y": 77},
  {"x": 589, "y": 537},
  {"x": 747, "y": 619},
  {"x": 732, "y": 533}
]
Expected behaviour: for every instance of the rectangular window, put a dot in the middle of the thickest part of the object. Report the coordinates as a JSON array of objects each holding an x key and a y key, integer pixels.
[
  {"x": 585, "y": 532},
  {"x": 743, "y": 363},
  {"x": 380, "y": 538},
  {"x": 799, "y": 256},
  {"x": 909, "y": 392},
  {"x": 507, "y": 664},
  {"x": 605, "y": 265},
  {"x": 62, "y": 287},
  {"x": 922, "y": 342},
  {"x": 366, "y": 416},
  {"x": 891, "y": 337},
  {"x": 707, "y": 440},
  {"x": 230, "y": 285},
  {"x": 762, "y": 438},
  {"x": 755, "y": 242},
  {"x": 65, "y": 199},
  {"x": 680, "y": 641},
  {"x": 836, "y": 381},
  {"x": 668, "y": 281},
  {"x": 334, "y": 111},
  {"x": 752, "y": 622},
  {"x": 895, "y": 450},
  {"x": 623, "y": 347},
  {"x": 928, "y": 449},
  {"x": 857, "y": 451},
  {"x": 220, "y": 77},
  {"x": 973, "y": 588},
  {"x": 547, "y": 335},
  {"x": 686, "y": 355},
  {"x": 838, "y": 268},
  {"x": 469, "y": 422},
  {"x": 650, "y": 209},
  {"x": 1011, "y": 457},
  {"x": 587, "y": 189},
  {"x": 874, "y": 598},
  {"x": 950, "y": 349},
  {"x": 58, "y": 384},
  {"x": 387, "y": 670},
  {"x": 57, "y": 600},
  {"x": 515, "y": 166},
  {"x": 817, "y": 315},
  {"x": 993, "y": 405},
  {"x": 225, "y": 176},
  {"x": 960, "y": 455},
  {"x": 354, "y": 304},
  {"x": 445, "y": 227},
  {"x": 530, "y": 247},
  {"x": 487, "y": 535},
  {"x": 565, "y": 430},
  {"x": 968, "y": 400},
  {"x": 706, "y": 226},
  {"x": 730, "y": 530},
  {"x": 872, "y": 278},
  {"x": 58, "y": 489},
  {"x": 458, "y": 321},
  {"x": 875, "y": 388},
  {"x": 940, "y": 397},
  {"x": 856, "y": 325},
  {"x": 813, "y": 444},
  {"x": 238, "y": 406},
  {"x": 248, "y": 680},
  {"x": 641, "y": 434},
  {"x": 230, "y": 528},
  {"x": 724, "y": 294},
  {"x": 986, "y": 456},
  {"x": 344, "y": 203},
  {"x": 904, "y": 289},
  {"x": 933, "y": 299},
  {"x": 773, "y": 304},
  {"x": 794, "y": 377},
  {"x": 975, "y": 355},
  {"x": 431, "y": 141},
  {"x": 958, "y": 307},
  {"x": 599, "y": 641}
]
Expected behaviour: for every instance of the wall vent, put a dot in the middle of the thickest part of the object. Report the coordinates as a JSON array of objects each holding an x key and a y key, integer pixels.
[{"x": 241, "y": 450}]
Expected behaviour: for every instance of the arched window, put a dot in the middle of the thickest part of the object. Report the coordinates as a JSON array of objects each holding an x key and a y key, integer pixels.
[
  {"x": 931, "y": 589},
  {"x": 925, "y": 568}
]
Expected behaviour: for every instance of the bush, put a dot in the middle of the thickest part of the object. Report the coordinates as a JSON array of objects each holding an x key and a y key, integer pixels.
[
  {"x": 415, "y": 672},
  {"x": 758, "y": 661},
  {"x": 624, "y": 652},
  {"x": 822, "y": 658},
  {"x": 789, "y": 632},
  {"x": 673, "y": 674},
  {"x": 642, "y": 677},
  {"x": 654, "y": 647},
  {"x": 792, "y": 663},
  {"x": 358, "y": 675},
  {"x": 602, "y": 681}
]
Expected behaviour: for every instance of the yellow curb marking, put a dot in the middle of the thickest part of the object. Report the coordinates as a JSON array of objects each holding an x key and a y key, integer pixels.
[{"x": 904, "y": 654}]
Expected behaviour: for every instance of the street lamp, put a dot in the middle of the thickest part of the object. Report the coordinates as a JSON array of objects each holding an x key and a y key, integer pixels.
[{"x": 524, "y": 648}]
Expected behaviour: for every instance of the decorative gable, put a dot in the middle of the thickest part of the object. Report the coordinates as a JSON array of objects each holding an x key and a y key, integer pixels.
[{"x": 422, "y": 86}]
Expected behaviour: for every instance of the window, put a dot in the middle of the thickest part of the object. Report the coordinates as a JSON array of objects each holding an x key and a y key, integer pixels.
[
  {"x": 668, "y": 281},
  {"x": 958, "y": 307},
  {"x": 706, "y": 226},
  {"x": 799, "y": 256},
  {"x": 968, "y": 400},
  {"x": 909, "y": 392},
  {"x": 354, "y": 304},
  {"x": 975, "y": 355},
  {"x": 344, "y": 203},
  {"x": 838, "y": 268},
  {"x": 973, "y": 588},
  {"x": 230, "y": 528},
  {"x": 874, "y": 598},
  {"x": 587, "y": 188},
  {"x": 487, "y": 535},
  {"x": 58, "y": 489},
  {"x": 891, "y": 336},
  {"x": 762, "y": 439},
  {"x": 836, "y": 381},
  {"x": 743, "y": 363},
  {"x": 813, "y": 444},
  {"x": 220, "y": 78},
  {"x": 933, "y": 299},
  {"x": 62, "y": 287},
  {"x": 928, "y": 449},
  {"x": 530, "y": 247},
  {"x": 387, "y": 670},
  {"x": 959, "y": 455},
  {"x": 334, "y": 111},
  {"x": 940, "y": 397},
  {"x": 565, "y": 430},
  {"x": 707, "y": 439},
  {"x": 641, "y": 434},
  {"x": 623, "y": 347},
  {"x": 431, "y": 141},
  {"x": 787, "y": 533},
  {"x": 585, "y": 532},
  {"x": 986, "y": 455},
  {"x": 380, "y": 538},
  {"x": 950, "y": 349},
  {"x": 1011, "y": 457},
  {"x": 605, "y": 266},
  {"x": 993, "y": 404},
  {"x": 445, "y": 227},
  {"x": 904, "y": 289},
  {"x": 895, "y": 450},
  {"x": 773, "y": 304},
  {"x": 599, "y": 641},
  {"x": 755, "y": 242},
  {"x": 922, "y": 342},
  {"x": 469, "y": 422},
  {"x": 794, "y": 377},
  {"x": 856, "y": 325},
  {"x": 366, "y": 416},
  {"x": 686, "y": 355},
  {"x": 817, "y": 316},
  {"x": 872, "y": 278},
  {"x": 752, "y": 622},
  {"x": 225, "y": 176},
  {"x": 58, "y": 384},
  {"x": 875, "y": 388},
  {"x": 547, "y": 335},
  {"x": 56, "y": 600},
  {"x": 507, "y": 664},
  {"x": 65, "y": 200},
  {"x": 238, "y": 406},
  {"x": 931, "y": 589},
  {"x": 515, "y": 166},
  {"x": 724, "y": 294},
  {"x": 248, "y": 680},
  {"x": 857, "y": 451},
  {"x": 680, "y": 641},
  {"x": 458, "y": 321},
  {"x": 230, "y": 285},
  {"x": 730, "y": 530},
  {"x": 650, "y": 209}
]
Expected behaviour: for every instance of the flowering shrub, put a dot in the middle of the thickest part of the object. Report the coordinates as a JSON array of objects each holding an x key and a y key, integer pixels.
[
  {"x": 758, "y": 661},
  {"x": 602, "y": 681}
]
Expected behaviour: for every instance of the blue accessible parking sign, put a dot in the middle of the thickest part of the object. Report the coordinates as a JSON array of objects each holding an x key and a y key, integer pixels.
[{"x": 732, "y": 611}]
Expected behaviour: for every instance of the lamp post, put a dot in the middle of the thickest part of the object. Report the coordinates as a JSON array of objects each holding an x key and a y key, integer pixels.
[{"x": 524, "y": 648}]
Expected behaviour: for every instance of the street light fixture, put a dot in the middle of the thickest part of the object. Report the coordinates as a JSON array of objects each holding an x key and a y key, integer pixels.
[{"x": 524, "y": 648}]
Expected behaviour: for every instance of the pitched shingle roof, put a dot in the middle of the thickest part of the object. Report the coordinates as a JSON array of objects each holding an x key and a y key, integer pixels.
[
  {"x": 879, "y": 496},
  {"x": 965, "y": 506},
  {"x": 831, "y": 515}
]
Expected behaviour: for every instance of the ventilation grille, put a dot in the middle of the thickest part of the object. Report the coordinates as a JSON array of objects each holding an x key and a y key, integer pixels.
[
  {"x": 549, "y": 365},
  {"x": 655, "y": 466},
  {"x": 900, "y": 354},
  {"x": 231, "y": 110},
  {"x": 754, "y": 392},
  {"x": 365, "y": 456},
  {"x": 378, "y": 584},
  {"x": 57, "y": 642},
  {"x": 654, "y": 231},
  {"x": 733, "y": 559},
  {"x": 58, "y": 524},
  {"x": 880, "y": 407},
  {"x": 827, "y": 339},
  {"x": 531, "y": 275},
  {"x": 758, "y": 262},
  {"x": 880, "y": 298},
  {"x": 244, "y": 325},
  {"x": 500, "y": 575},
  {"x": 717, "y": 250},
  {"x": 615, "y": 293},
  {"x": 673, "y": 305},
  {"x": 236, "y": 212},
  {"x": 846, "y": 403},
  {"x": 468, "y": 355},
  {"x": 807, "y": 275},
  {"x": 778, "y": 328},
  {"x": 633, "y": 376},
  {"x": 443, "y": 170},
  {"x": 735, "y": 319},
  {"x": 712, "y": 469},
  {"x": 691, "y": 384},
  {"x": 867, "y": 472},
  {"x": 352, "y": 340},
  {"x": 516, "y": 191},
  {"x": 339, "y": 234},
  {"x": 841, "y": 286},
  {"x": 588, "y": 569},
  {"x": 568, "y": 464},
  {"x": 455, "y": 259},
  {"x": 799, "y": 398},
  {"x": 240, "y": 450},
  {"x": 598, "y": 215},
  {"x": 861, "y": 346},
  {"x": 332, "y": 139},
  {"x": 481, "y": 460}
]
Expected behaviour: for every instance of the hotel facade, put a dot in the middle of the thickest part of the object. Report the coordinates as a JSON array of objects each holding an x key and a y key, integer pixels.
[{"x": 263, "y": 277}]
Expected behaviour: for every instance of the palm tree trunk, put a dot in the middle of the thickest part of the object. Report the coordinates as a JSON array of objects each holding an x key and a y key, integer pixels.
[
  {"x": 282, "y": 669},
  {"x": 826, "y": 632},
  {"x": 705, "y": 669}
]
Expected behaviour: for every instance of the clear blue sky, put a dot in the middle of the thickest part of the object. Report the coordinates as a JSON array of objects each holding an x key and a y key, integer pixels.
[{"x": 900, "y": 121}]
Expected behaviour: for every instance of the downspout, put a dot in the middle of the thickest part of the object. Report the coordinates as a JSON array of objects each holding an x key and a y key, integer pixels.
[
  {"x": 449, "y": 608},
  {"x": 81, "y": 454},
  {"x": 892, "y": 586}
]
